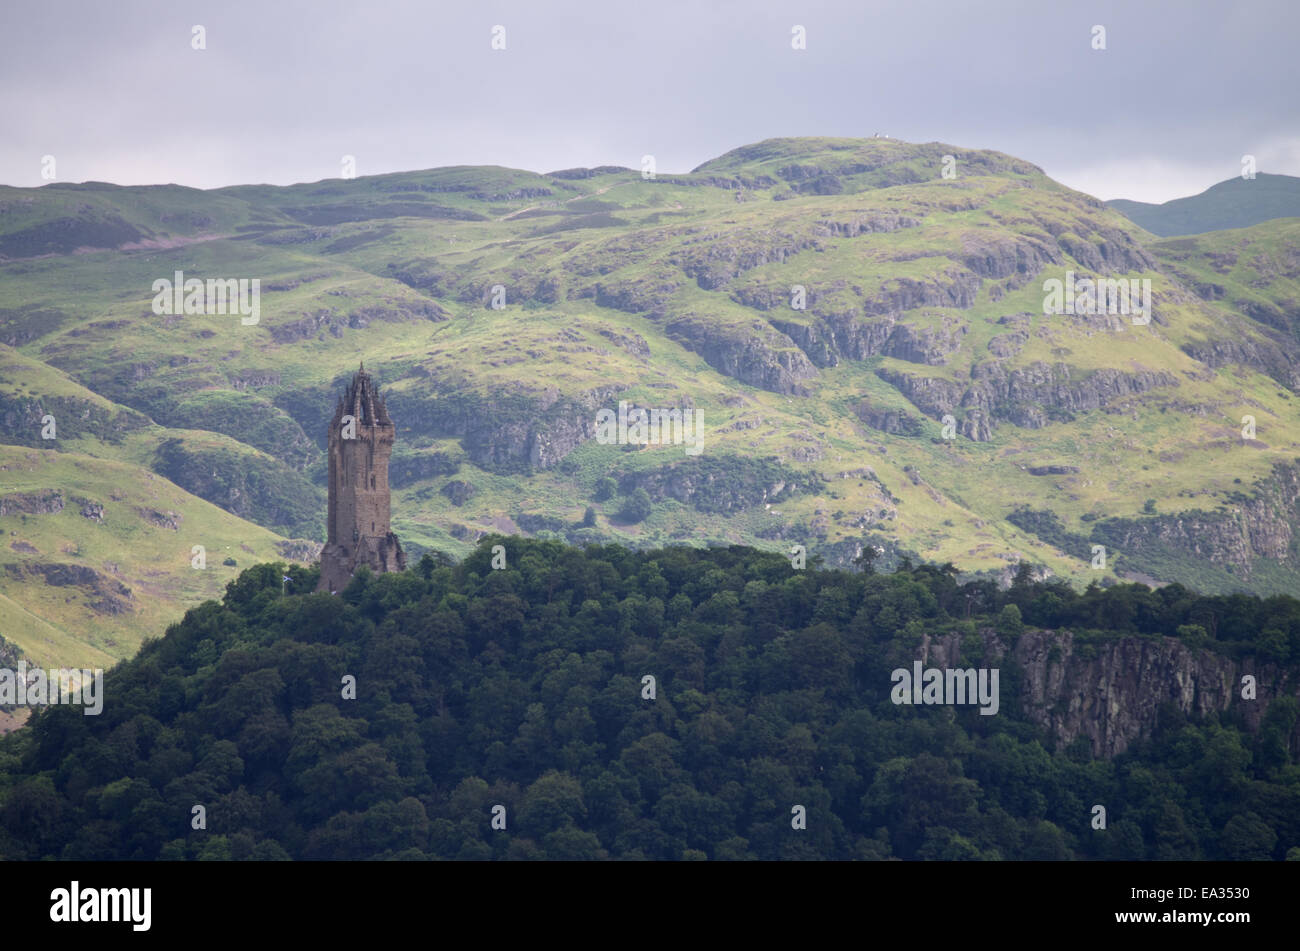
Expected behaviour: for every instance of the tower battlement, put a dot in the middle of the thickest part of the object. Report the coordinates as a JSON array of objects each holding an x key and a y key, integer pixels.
[{"x": 361, "y": 439}]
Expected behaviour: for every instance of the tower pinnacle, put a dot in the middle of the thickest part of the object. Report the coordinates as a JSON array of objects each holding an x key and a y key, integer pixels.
[{"x": 360, "y": 443}]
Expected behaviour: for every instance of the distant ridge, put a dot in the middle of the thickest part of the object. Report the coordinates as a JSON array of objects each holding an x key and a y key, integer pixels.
[{"x": 1236, "y": 203}]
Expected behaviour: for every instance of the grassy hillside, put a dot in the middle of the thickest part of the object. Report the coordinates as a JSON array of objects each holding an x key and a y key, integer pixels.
[
  {"x": 98, "y": 555},
  {"x": 1251, "y": 271},
  {"x": 824, "y": 426}
]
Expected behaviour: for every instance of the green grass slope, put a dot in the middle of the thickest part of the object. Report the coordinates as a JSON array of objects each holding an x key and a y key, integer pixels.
[
  {"x": 98, "y": 555},
  {"x": 823, "y": 426}
]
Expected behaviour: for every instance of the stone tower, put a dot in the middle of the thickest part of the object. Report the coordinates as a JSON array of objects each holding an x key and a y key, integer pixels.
[{"x": 360, "y": 442}]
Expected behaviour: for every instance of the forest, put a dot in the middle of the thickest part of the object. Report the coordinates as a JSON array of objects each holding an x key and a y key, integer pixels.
[{"x": 462, "y": 711}]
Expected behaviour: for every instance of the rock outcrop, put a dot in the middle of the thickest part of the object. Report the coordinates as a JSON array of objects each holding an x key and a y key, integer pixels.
[
  {"x": 1111, "y": 692},
  {"x": 514, "y": 432},
  {"x": 44, "y": 502},
  {"x": 892, "y": 421},
  {"x": 109, "y": 595},
  {"x": 756, "y": 353},
  {"x": 1028, "y": 396},
  {"x": 721, "y": 484}
]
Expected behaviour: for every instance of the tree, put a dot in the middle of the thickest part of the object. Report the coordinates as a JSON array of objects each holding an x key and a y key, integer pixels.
[
  {"x": 552, "y": 802},
  {"x": 1010, "y": 623},
  {"x": 430, "y": 561},
  {"x": 216, "y": 849},
  {"x": 1024, "y": 576},
  {"x": 637, "y": 508},
  {"x": 605, "y": 489},
  {"x": 909, "y": 796},
  {"x": 1248, "y": 838},
  {"x": 1273, "y": 738},
  {"x": 1273, "y": 645},
  {"x": 1174, "y": 840},
  {"x": 865, "y": 562},
  {"x": 589, "y": 518}
]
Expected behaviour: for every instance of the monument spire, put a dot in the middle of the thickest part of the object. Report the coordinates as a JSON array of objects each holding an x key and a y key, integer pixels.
[{"x": 360, "y": 443}]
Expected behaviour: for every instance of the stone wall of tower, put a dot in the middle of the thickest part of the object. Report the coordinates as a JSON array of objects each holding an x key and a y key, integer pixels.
[
  {"x": 359, "y": 532},
  {"x": 358, "y": 491}
]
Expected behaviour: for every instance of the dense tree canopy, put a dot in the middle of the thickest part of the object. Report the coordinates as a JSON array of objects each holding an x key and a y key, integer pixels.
[{"x": 528, "y": 688}]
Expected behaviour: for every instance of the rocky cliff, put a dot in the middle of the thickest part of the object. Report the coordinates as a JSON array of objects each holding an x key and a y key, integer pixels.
[
  {"x": 1029, "y": 396},
  {"x": 1111, "y": 692}
]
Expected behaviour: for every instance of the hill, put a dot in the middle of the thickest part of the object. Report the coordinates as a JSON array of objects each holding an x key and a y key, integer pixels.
[
  {"x": 1236, "y": 203},
  {"x": 673, "y": 704},
  {"x": 502, "y": 310},
  {"x": 104, "y": 551}
]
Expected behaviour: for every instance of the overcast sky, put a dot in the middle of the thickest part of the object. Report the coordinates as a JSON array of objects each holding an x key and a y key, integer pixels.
[{"x": 115, "y": 91}]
